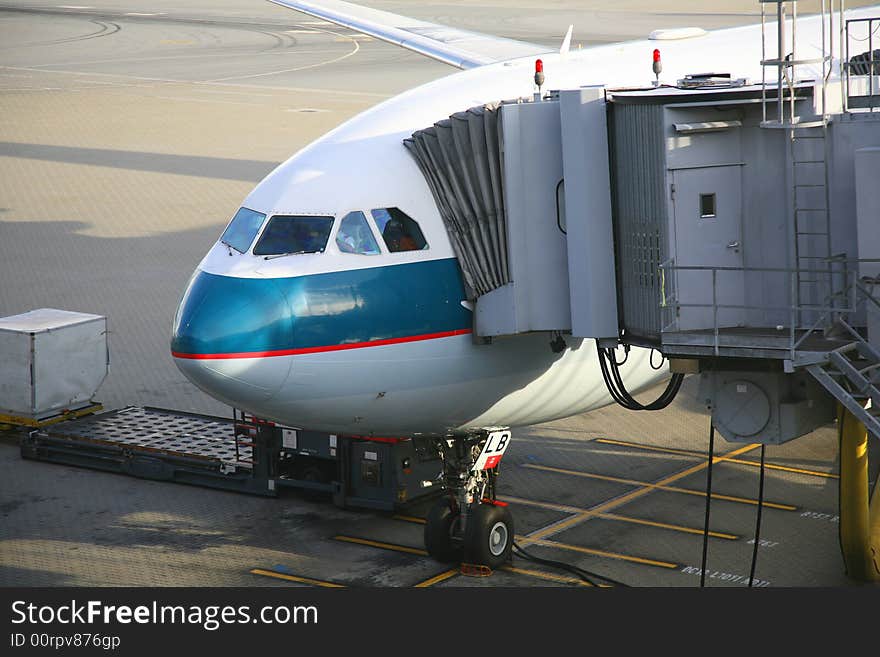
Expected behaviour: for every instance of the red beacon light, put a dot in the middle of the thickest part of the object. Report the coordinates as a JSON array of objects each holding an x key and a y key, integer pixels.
[
  {"x": 658, "y": 67},
  {"x": 539, "y": 74}
]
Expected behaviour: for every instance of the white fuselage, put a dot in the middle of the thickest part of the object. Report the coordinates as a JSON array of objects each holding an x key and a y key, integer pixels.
[{"x": 436, "y": 379}]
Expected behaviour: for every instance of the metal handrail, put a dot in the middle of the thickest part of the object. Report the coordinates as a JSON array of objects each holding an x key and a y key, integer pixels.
[
  {"x": 872, "y": 63},
  {"x": 850, "y": 292}
]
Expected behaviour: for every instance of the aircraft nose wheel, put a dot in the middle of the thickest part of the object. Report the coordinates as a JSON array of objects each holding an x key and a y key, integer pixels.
[
  {"x": 489, "y": 536},
  {"x": 469, "y": 523},
  {"x": 440, "y": 527}
]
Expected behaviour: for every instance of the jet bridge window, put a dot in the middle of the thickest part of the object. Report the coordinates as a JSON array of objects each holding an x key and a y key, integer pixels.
[
  {"x": 290, "y": 235},
  {"x": 400, "y": 231},
  {"x": 354, "y": 235},
  {"x": 707, "y": 206},
  {"x": 243, "y": 229}
]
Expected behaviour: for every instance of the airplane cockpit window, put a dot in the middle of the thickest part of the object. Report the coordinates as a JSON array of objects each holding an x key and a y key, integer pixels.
[
  {"x": 354, "y": 235},
  {"x": 400, "y": 231},
  {"x": 243, "y": 229},
  {"x": 291, "y": 235}
]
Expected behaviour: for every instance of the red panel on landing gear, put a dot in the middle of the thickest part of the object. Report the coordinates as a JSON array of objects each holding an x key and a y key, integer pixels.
[{"x": 492, "y": 461}]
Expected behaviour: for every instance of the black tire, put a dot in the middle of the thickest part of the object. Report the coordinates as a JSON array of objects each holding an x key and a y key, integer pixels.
[
  {"x": 489, "y": 535},
  {"x": 438, "y": 532}
]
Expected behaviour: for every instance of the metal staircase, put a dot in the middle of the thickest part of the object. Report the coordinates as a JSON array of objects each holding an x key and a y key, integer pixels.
[{"x": 852, "y": 376}]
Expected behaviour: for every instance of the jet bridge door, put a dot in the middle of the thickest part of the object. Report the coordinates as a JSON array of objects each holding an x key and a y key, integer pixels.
[{"x": 707, "y": 211}]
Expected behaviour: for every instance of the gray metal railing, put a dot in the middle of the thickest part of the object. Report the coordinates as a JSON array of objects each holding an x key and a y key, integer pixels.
[
  {"x": 866, "y": 70},
  {"x": 847, "y": 292}
]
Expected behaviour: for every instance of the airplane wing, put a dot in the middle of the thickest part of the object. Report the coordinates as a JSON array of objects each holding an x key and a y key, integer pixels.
[{"x": 447, "y": 44}]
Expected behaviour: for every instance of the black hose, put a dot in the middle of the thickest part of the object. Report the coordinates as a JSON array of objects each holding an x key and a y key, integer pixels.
[
  {"x": 758, "y": 521},
  {"x": 708, "y": 504},
  {"x": 614, "y": 382},
  {"x": 651, "y": 360},
  {"x": 585, "y": 575}
]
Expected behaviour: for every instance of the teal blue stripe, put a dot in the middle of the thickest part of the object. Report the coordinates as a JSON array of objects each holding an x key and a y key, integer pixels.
[{"x": 223, "y": 314}]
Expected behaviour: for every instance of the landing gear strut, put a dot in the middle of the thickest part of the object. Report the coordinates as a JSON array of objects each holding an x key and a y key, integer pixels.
[{"x": 468, "y": 523}]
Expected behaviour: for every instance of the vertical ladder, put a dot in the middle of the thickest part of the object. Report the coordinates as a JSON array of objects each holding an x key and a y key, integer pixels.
[
  {"x": 812, "y": 218},
  {"x": 808, "y": 157}
]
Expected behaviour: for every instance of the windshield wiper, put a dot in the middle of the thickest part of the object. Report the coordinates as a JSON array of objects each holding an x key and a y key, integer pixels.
[
  {"x": 228, "y": 246},
  {"x": 291, "y": 253}
]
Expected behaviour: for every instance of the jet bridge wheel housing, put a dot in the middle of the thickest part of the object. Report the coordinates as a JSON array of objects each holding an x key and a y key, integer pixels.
[
  {"x": 488, "y": 535},
  {"x": 439, "y": 528}
]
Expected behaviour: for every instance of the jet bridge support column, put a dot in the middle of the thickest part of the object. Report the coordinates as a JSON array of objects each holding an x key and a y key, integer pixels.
[{"x": 859, "y": 509}]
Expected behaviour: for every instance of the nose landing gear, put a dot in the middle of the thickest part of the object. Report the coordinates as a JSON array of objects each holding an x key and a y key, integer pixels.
[{"x": 469, "y": 524}]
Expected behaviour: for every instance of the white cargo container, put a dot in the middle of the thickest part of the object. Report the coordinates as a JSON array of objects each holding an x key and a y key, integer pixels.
[{"x": 51, "y": 361}]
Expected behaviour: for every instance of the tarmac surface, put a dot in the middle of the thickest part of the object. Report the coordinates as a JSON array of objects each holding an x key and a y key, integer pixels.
[{"x": 130, "y": 132}]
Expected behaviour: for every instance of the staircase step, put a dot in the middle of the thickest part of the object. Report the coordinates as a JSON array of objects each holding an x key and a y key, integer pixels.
[
  {"x": 872, "y": 423},
  {"x": 863, "y": 385}
]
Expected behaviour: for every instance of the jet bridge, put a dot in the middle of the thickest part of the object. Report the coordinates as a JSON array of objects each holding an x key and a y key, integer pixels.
[
  {"x": 534, "y": 251},
  {"x": 728, "y": 225},
  {"x": 732, "y": 226}
]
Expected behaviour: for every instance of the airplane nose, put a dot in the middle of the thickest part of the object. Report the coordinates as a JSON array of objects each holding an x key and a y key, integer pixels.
[{"x": 227, "y": 335}]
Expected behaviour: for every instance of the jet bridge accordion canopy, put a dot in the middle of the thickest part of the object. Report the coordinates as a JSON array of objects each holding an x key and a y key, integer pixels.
[
  {"x": 461, "y": 159},
  {"x": 523, "y": 190}
]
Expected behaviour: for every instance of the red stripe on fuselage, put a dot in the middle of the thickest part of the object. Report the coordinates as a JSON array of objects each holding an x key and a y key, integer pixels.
[{"x": 317, "y": 350}]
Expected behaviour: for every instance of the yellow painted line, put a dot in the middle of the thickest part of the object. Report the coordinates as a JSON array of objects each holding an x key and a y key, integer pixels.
[
  {"x": 785, "y": 468},
  {"x": 651, "y": 448},
  {"x": 603, "y": 553},
  {"x": 420, "y": 521},
  {"x": 296, "y": 578},
  {"x": 442, "y": 577},
  {"x": 543, "y": 505},
  {"x": 550, "y": 577},
  {"x": 378, "y": 544},
  {"x": 614, "y": 516},
  {"x": 647, "y": 486},
  {"x": 769, "y": 466},
  {"x": 17, "y": 420},
  {"x": 664, "y": 525}
]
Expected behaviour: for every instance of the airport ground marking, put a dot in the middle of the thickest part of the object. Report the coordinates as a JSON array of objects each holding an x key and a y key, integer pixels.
[
  {"x": 754, "y": 464},
  {"x": 550, "y": 577},
  {"x": 644, "y": 489},
  {"x": 614, "y": 516},
  {"x": 556, "y": 507},
  {"x": 578, "y": 516},
  {"x": 652, "y": 448},
  {"x": 412, "y": 519},
  {"x": 354, "y": 51},
  {"x": 602, "y": 553},
  {"x": 724, "y": 577},
  {"x": 394, "y": 547},
  {"x": 449, "y": 574},
  {"x": 182, "y": 82},
  {"x": 661, "y": 486},
  {"x": 436, "y": 579},
  {"x": 296, "y": 578},
  {"x": 786, "y": 468}
]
